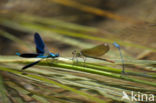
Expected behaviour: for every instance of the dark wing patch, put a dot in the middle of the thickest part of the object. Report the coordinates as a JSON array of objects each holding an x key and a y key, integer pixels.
[
  {"x": 29, "y": 65},
  {"x": 39, "y": 44},
  {"x": 28, "y": 55}
]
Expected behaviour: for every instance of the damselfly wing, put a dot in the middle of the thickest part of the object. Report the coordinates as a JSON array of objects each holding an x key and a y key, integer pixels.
[
  {"x": 41, "y": 51},
  {"x": 96, "y": 51}
]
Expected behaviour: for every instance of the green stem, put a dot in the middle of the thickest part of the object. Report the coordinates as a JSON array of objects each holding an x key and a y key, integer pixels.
[
  {"x": 3, "y": 93},
  {"x": 51, "y": 82}
]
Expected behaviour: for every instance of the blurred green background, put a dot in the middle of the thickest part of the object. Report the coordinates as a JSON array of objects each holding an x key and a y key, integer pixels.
[{"x": 67, "y": 25}]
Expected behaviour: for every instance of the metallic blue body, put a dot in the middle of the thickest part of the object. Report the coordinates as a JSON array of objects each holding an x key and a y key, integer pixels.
[
  {"x": 41, "y": 51},
  {"x": 51, "y": 55},
  {"x": 116, "y": 45},
  {"x": 121, "y": 56}
]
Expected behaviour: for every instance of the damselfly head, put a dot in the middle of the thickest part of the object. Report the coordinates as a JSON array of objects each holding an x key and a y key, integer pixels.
[
  {"x": 18, "y": 54},
  {"x": 53, "y": 55},
  {"x": 57, "y": 55}
]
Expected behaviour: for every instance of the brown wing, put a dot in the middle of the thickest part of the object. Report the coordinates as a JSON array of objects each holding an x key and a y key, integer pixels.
[{"x": 96, "y": 51}]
